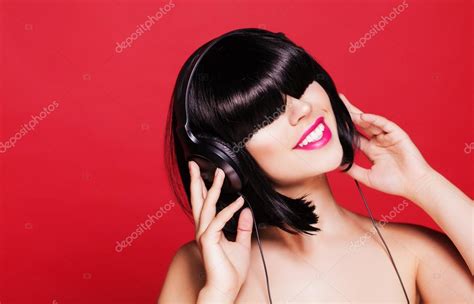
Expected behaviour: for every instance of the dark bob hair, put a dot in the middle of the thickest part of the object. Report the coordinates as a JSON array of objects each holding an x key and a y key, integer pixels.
[{"x": 241, "y": 81}]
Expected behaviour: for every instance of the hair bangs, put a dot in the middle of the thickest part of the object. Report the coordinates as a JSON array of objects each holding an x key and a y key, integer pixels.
[{"x": 241, "y": 85}]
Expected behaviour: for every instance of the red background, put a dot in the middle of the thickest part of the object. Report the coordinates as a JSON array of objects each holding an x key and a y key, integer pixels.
[{"x": 92, "y": 170}]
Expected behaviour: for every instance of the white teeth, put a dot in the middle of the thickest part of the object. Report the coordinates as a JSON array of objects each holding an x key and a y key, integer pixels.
[{"x": 313, "y": 136}]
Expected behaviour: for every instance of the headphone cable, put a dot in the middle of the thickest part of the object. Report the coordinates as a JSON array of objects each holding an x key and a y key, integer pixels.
[
  {"x": 260, "y": 248},
  {"x": 380, "y": 235}
]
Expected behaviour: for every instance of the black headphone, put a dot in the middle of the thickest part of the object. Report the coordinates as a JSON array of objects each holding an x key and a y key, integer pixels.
[
  {"x": 211, "y": 153},
  {"x": 207, "y": 151}
]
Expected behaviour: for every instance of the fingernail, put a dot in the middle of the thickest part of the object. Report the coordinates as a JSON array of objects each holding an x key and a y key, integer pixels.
[
  {"x": 240, "y": 199},
  {"x": 217, "y": 172}
]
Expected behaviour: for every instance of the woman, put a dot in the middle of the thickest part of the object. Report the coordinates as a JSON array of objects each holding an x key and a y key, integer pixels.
[{"x": 241, "y": 82}]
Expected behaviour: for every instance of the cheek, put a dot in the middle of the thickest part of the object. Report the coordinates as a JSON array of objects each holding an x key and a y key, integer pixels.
[
  {"x": 263, "y": 147},
  {"x": 269, "y": 152},
  {"x": 279, "y": 163}
]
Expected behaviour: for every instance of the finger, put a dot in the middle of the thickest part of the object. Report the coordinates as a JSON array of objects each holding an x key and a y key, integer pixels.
[
  {"x": 364, "y": 146},
  {"x": 350, "y": 107},
  {"x": 356, "y": 114},
  {"x": 387, "y": 139},
  {"x": 197, "y": 198},
  {"x": 391, "y": 132},
  {"x": 204, "y": 188},
  {"x": 381, "y": 122},
  {"x": 369, "y": 129},
  {"x": 360, "y": 174},
  {"x": 218, "y": 223},
  {"x": 244, "y": 228},
  {"x": 208, "y": 211}
]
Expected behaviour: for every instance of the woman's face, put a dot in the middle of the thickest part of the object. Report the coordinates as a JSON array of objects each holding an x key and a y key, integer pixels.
[{"x": 277, "y": 146}]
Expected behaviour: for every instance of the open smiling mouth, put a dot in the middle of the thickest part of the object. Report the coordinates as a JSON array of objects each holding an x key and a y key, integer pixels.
[{"x": 315, "y": 137}]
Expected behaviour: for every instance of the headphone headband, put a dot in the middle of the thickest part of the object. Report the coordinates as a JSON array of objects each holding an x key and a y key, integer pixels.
[
  {"x": 191, "y": 74},
  {"x": 207, "y": 151}
]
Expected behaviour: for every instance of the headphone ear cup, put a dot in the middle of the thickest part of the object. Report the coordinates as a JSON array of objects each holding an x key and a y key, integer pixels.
[{"x": 213, "y": 153}]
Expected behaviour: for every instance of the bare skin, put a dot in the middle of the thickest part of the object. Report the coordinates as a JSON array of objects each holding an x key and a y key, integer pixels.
[{"x": 344, "y": 262}]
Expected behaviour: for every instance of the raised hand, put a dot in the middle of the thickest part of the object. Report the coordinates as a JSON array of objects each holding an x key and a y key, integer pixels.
[
  {"x": 397, "y": 165},
  {"x": 226, "y": 263}
]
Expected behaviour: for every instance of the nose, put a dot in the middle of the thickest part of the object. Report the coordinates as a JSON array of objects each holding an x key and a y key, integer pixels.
[{"x": 298, "y": 109}]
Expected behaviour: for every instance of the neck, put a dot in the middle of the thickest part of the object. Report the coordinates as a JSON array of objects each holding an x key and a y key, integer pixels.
[{"x": 333, "y": 219}]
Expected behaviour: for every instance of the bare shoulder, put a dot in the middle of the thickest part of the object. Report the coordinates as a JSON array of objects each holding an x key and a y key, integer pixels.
[
  {"x": 439, "y": 270},
  {"x": 426, "y": 247},
  {"x": 420, "y": 240},
  {"x": 188, "y": 255},
  {"x": 185, "y": 276},
  {"x": 442, "y": 275},
  {"x": 415, "y": 233},
  {"x": 424, "y": 242}
]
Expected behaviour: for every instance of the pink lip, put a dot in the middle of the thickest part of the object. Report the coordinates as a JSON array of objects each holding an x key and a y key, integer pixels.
[{"x": 319, "y": 143}]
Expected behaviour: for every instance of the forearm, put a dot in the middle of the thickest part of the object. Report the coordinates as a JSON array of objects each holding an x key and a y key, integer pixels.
[{"x": 451, "y": 209}]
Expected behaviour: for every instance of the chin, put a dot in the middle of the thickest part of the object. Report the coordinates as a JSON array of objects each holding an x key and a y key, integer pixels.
[{"x": 333, "y": 157}]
